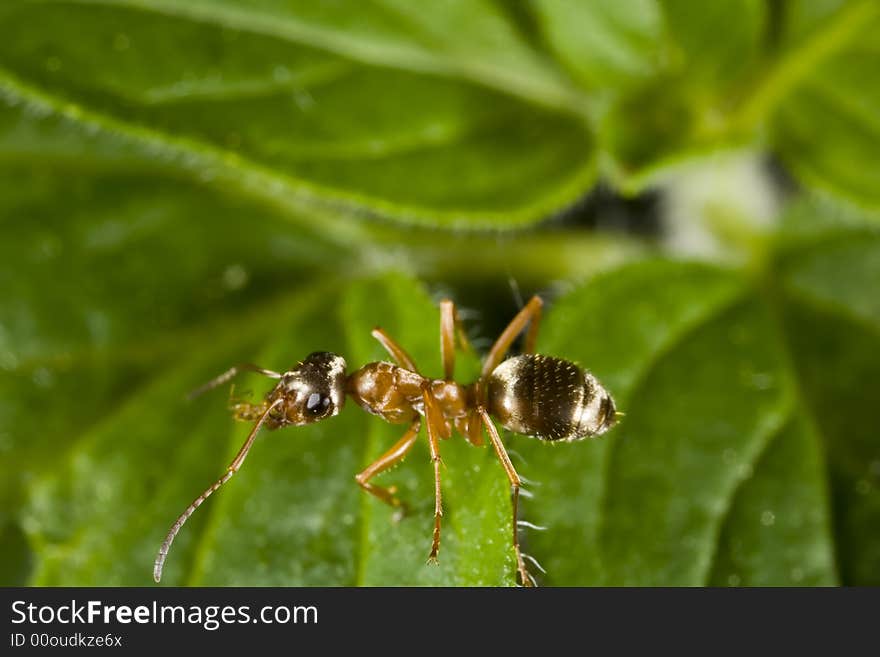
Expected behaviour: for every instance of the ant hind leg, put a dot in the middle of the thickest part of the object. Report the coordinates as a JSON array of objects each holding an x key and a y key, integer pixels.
[
  {"x": 531, "y": 315},
  {"x": 525, "y": 577}
]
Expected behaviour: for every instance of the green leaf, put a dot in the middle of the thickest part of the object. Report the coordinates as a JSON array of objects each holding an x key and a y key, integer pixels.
[
  {"x": 103, "y": 281},
  {"x": 189, "y": 185},
  {"x": 323, "y": 109},
  {"x": 748, "y": 453},
  {"x": 294, "y": 514},
  {"x": 828, "y": 129},
  {"x": 664, "y": 77},
  {"x": 618, "y": 45},
  {"x": 700, "y": 51},
  {"x": 109, "y": 278},
  {"x": 679, "y": 81},
  {"x": 604, "y": 44},
  {"x": 494, "y": 114}
]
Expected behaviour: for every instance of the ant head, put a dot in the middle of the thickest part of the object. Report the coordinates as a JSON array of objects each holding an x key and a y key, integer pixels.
[{"x": 313, "y": 390}]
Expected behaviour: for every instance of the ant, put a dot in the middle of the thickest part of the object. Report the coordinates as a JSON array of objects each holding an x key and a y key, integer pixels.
[{"x": 548, "y": 398}]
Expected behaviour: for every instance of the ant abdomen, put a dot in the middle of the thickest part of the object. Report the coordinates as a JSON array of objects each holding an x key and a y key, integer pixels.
[{"x": 548, "y": 398}]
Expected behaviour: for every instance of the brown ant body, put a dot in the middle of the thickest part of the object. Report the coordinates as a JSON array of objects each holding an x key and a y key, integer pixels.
[{"x": 540, "y": 396}]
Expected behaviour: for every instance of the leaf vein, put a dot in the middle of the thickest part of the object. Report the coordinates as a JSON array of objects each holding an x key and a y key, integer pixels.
[
  {"x": 772, "y": 301},
  {"x": 766, "y": 440},
  {"x": 694, "y": 325},
  {"x": 547, "y": 89},
  {"x": 297, "y": 198}
]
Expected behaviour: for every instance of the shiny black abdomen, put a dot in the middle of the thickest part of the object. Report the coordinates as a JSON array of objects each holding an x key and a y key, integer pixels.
[{"x": 549, "y": 398}]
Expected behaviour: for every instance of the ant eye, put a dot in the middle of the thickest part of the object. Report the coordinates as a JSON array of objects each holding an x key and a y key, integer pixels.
[{"x": 317, "y": 403}]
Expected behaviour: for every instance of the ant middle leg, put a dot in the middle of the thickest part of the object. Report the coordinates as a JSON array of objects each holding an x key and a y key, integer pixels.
[
  {"x": 530, "y": 314},
  {"x": 450, "y": 329},
  {"x": 515, "y": 484},
  {"x": 390, "y": 458},
  {"x": 450, "y": 324},
  {"x": 447, "y": 338},
  {"x": 434, "y": 423}
]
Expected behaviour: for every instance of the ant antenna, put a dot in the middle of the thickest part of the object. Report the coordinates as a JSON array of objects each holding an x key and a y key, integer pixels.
[
  {"x": 229, "y": 374},
  {"x": 231, "y": 470},
  {"x": 514, "y": 288}
]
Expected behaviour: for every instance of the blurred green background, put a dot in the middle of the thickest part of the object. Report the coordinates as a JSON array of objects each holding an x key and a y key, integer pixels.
[{"x": 693, "y": 188}]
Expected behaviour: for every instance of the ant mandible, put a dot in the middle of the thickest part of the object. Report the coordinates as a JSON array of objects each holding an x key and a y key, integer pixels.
[{"x": 540, "y": 396}]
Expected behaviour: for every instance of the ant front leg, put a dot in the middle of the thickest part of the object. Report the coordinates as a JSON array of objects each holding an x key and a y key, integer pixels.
[
  {"x": 515, "y": 484},
  {"x": 530, "y": 314},
  {"x": 245, "y": 411},
  {"x": 390, "y": 458}
]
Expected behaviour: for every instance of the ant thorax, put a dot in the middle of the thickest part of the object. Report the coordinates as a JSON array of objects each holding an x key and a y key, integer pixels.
[{"x": 394, "y": 393}]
